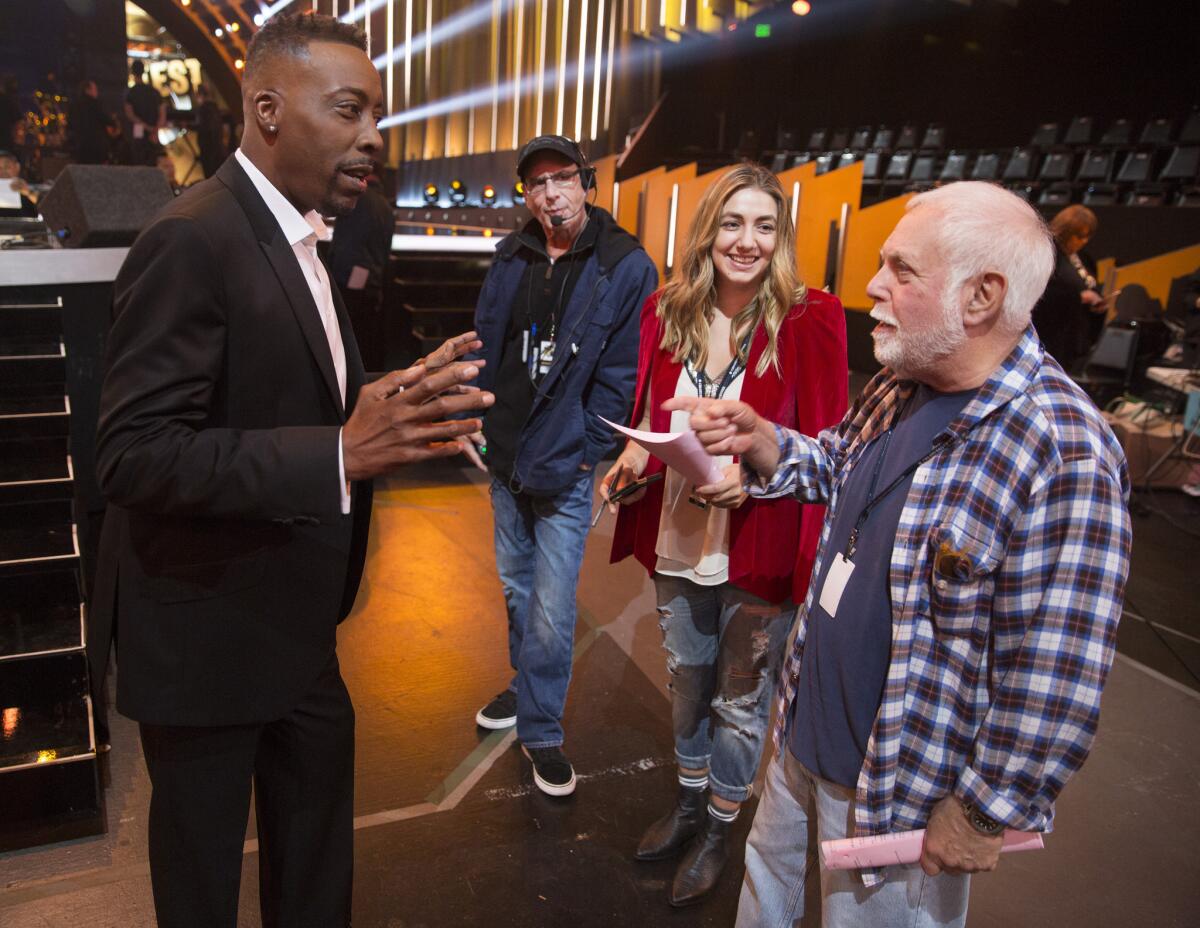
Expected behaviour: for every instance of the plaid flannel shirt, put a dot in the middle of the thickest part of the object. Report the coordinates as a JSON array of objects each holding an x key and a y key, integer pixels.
[{"x": 1006, "y": 582}]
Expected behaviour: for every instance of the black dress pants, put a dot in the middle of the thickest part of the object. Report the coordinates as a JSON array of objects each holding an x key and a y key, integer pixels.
[{"x": 302, "y": 768}]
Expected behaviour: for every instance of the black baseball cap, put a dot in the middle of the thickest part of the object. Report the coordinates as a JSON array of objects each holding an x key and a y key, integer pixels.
[{"x": 559, "y": 144}]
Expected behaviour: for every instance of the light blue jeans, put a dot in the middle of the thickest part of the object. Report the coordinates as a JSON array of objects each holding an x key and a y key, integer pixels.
[
  {"x": 724, "y": 648},
  {"x": 779, "y": 860},
  {"x": 539, "y": 550}
]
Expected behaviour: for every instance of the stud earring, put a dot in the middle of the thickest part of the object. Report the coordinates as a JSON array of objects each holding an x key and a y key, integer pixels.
[{"x": 272, "y": 129}]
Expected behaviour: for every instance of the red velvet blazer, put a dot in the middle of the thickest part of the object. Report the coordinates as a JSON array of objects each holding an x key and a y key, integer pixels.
[{"x": 772, "y": 543}]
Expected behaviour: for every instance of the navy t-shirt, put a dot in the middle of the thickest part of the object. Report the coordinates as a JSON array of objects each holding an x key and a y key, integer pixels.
[{"x": 845, "y": 659}]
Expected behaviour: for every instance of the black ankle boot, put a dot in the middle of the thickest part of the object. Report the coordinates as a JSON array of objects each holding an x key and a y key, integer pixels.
[
  {"x": 702, "y": 865},
  {"x": 669, "y": 834}
]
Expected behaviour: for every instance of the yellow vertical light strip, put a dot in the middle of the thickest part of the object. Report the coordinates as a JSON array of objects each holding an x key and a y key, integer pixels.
[
  {"x": 662, "y": 13},
  {"x": 671, "y": 227},
  {"x": 561, "y": 88},
  {"x": 541, "y": 66},
  {"x": 408, "y": 27},
  {"x": 683, "y": 4},
  {"x": 391, "y": 63},
  {"x": 616, "y": 204},
  {"x": 495, "y": 73},
  {"x": 581, "y": 76},
  {"x": 597, "y": 60},
  {"x": 335, "y": 9},
  {"x": 367, "y": 27},
  {"x": 471, "y": 130},
  {"x": 518, "y": 90},
  {"x": 795, "y": 202},
  {"x": 612, "y": 34},
  {"x": 644, "y": 19}
]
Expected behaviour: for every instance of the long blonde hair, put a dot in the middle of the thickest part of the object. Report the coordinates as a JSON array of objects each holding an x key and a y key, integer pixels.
[{"x": 689, "y": 299}]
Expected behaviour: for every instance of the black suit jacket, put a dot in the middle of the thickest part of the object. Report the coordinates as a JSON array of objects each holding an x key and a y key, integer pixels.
[{"x": 225, "y": 562}]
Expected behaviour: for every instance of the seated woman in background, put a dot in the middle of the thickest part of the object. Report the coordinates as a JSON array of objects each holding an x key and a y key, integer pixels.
[
  {"x": 1070, "y": 314},
  {"x": 734, "y": 322}
]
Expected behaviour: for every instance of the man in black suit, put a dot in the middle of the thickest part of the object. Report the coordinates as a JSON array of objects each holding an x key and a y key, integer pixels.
[{"x": 236, "y": 446}]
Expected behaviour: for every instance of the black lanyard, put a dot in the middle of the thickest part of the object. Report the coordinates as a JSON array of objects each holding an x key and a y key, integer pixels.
[
  {"x": 700, "y": 379},
  {"x": 942, "y": 443}
]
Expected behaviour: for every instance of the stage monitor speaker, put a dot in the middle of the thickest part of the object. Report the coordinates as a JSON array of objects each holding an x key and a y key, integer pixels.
[{"x": 99, "y": 205}]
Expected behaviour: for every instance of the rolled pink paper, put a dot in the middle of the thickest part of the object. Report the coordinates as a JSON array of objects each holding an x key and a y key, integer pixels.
[{"x": 902, "y": 847}]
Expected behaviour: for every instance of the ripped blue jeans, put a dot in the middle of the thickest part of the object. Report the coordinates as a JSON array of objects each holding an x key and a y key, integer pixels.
[{"x": 724, "y": 648}]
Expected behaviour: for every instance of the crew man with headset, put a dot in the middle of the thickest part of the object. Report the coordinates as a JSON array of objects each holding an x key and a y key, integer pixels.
[{"x": 558, "y": 316}]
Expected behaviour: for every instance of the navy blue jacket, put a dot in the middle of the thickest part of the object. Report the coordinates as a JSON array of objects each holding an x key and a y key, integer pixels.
[{"x": 595, "y": 367}]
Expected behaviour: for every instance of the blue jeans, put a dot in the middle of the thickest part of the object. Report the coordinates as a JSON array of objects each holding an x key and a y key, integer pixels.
[
  {"x": 778, "y": 858},
  {"x": 724, "y": 647},
  {"x": 539, "y": 550}
]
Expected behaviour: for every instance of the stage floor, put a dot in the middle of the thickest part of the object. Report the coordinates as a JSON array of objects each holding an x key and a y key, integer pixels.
[{"x": 452, "y": 832}]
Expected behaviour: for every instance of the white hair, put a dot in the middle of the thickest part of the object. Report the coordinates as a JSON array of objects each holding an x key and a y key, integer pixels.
[{"x": 986, "y": 228}]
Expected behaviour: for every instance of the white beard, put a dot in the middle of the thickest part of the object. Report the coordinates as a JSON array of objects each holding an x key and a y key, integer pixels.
[{"x": 911, "y": 352}]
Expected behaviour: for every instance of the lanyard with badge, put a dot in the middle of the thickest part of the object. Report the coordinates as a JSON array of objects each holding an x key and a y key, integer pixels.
[
  {"x": 706, "y": 388},
  {"x": 843, "y": 562}
]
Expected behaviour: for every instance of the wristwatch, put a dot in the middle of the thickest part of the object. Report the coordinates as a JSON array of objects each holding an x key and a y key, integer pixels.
[{"x": 982, "y": 823}]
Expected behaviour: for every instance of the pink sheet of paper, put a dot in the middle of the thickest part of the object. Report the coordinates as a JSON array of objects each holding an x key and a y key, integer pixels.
[
  {"x": 680, "y": 451},
  {"x": 902, "y": 847}
]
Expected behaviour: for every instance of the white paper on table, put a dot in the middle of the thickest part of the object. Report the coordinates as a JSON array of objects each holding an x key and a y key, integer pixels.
[
  {"x": 10, "y": 197},
  {"x": 680, "y": 451},
  {"x": 902, "y": 847}
]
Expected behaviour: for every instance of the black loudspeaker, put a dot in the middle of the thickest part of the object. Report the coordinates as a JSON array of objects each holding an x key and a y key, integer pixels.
[{"x": 98, "y": 205}]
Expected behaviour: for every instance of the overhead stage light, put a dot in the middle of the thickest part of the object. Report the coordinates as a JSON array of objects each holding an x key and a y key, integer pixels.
[
  {"x": 458, "y": 191},
  {"x": 431, "y": 194},
  {"x": 801, "y": 7},
  {"x": 519, "y": 192},
  {"x": 489, "y": 195}
]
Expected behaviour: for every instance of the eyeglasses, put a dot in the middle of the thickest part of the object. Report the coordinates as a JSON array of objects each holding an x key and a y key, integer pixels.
[{"x": 561, "y": 180}]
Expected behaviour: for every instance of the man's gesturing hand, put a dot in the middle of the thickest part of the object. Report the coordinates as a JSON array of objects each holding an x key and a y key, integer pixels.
[
  {"x": 731, "y": 427},
  {"x": 953, "y": 845},
  {"x": 401, "y": 418}
]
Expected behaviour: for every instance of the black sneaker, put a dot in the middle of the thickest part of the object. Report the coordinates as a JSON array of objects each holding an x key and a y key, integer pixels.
[
  {"x": 552, "y": 771},
  {"x": 501, "y": 712}
]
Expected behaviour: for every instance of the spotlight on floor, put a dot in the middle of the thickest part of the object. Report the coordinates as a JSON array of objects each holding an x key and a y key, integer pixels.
[
  {"x": 431, "y": 194},
  {"x": 458, "y": 192},
  {"x": 488, "y": 194},
  {"x": 519, "y": 192}
]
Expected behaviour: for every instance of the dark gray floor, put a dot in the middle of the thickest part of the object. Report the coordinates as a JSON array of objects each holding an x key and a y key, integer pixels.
[{"x": 451, "y": 831}]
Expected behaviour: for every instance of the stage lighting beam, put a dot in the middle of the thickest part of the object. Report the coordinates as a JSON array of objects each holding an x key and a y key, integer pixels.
[
  {"x": 561, "y": 90},
  {"x": 581, "y": 73},
  {"x": 596, "y": 61}
]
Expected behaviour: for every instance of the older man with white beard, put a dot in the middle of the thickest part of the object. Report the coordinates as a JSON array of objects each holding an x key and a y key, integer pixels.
[{"x": 951, "y": 652}]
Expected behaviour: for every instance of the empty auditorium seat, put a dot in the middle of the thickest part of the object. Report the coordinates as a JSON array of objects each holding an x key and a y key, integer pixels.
[
  {"x": 883, "y": 138},
  {"x": 1096, "y": 166},
  {"x": 907, "y": 137},
  {"x": 861, "y": 139},
  {"x": 1120, "y": 132},
  {"x": 1156, "y": 132},
  {"x": 1045, "y": 135},
  {"x": 872, "y": 165},
  {"x": 955, "y": 167},
  {"x": 897, "y": 169},
  {"x": 1020, "y": 165},
  {"x": 1182, "y": 164},
  {"x": 817, "y": 138},
  {"x": 1056, "y": 167},
  {"x": 1079, "y": 132},
  {"x": 987, "y": 166},
  {"x": 935, "y": 137},
  {"x": 1056, "y": 194},
  {"x": 1135, "y": 168},
  {"x": 839, "y": 139}
]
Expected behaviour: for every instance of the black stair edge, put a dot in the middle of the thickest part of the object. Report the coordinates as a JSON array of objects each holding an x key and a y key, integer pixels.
[{"x": 60, "y": 802}]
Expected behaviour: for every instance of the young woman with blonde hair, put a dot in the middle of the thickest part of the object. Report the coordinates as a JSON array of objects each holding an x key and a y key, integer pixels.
[{"x": 733, "y": 322}]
